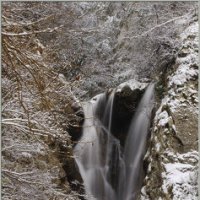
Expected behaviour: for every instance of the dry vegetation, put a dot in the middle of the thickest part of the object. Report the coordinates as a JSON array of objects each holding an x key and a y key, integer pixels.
[{"x": 36, "y": 109}]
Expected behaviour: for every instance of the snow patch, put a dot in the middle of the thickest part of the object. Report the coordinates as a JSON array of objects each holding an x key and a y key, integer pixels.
[
  {"x": 182, "y": 178},
  {"x": 163, "y": 118},
  {"x": 182, "y": 75},
  {"x": 133, "y": 84},
  {"x": 26, "y": 155},
  {"x": 191, "y": 30}
]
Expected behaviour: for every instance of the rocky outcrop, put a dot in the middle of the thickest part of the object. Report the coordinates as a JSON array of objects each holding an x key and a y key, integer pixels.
[
  {"x": 172, "y": 154},
  {"x": 126, "y": 100}
]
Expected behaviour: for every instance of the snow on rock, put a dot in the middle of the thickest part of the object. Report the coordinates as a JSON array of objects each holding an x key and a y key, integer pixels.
[
  {"x": 191, "y": 30},
  {"x": 187, "y": 67},
  {"x": 163, "y": 118},
  {"x": 183, "y": 74},
  {"x": 133, "y": 84},
  {"x": 173, "y": 156},
  {"x": 182, "y": 179},
  {"x": 181, "y": 176}
]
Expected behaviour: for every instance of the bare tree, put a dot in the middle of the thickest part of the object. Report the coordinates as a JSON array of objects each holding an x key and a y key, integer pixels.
[{"x": 36, "y": 109}]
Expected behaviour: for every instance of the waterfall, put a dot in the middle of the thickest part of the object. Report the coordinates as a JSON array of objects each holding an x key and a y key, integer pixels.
[
  {"x": 110, "y": 172},
  {"x": 136, "y": 143}
]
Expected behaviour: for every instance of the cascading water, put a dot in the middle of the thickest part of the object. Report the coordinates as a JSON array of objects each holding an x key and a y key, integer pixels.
[{"x": 108, "y": 172}]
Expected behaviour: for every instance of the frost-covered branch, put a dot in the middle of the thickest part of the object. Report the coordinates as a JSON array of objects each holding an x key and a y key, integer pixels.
[
  {"x": 157, "y": 26},
  {"x": 35, "y": 110},
  {"x": 17, "y": 176},
  {"x": 12, "y": 23},
  {"x": 48, "y": 30}
]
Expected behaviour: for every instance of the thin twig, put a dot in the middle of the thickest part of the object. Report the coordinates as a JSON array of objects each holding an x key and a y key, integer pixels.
[{"x": 48, "y": 30}]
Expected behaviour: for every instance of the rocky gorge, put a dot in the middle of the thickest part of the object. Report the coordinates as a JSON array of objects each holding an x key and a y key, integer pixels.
[{"x": 122, "y": 47}]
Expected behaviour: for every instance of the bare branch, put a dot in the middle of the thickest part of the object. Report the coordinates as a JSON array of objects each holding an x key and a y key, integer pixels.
[
  {"x": 156, "y": 27},
  {"x": 48, "y": 30}
]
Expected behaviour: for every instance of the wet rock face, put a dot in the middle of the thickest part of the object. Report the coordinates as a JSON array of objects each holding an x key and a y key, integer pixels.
[
  {"x": 76, "y": 122},
  {"x": 64, "y": 156},
  {"x": 125, "y": 104}
]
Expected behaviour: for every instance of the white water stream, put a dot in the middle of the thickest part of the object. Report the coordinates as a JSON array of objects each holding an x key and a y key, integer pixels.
[{"x": 107, "y": 172}]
